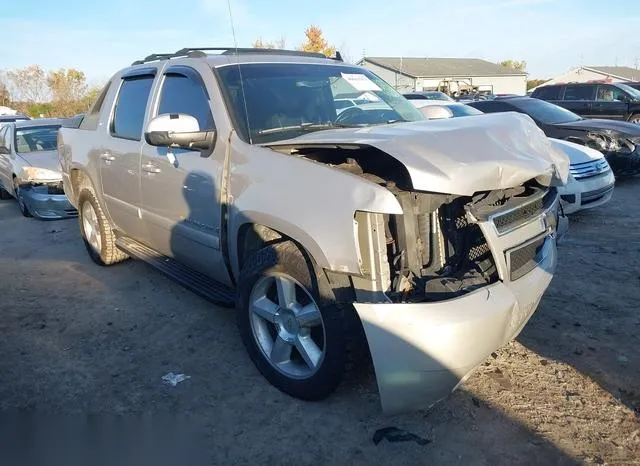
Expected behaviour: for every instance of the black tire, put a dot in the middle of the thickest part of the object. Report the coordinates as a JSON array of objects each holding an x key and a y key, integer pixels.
[
  {"x": 24, "y": 210},
  {"x": 288, "y": 259},
  {"x": 109, "y": 254},
  {"x": 4, "y": 194},
  {"x": 635, "y": 119}
]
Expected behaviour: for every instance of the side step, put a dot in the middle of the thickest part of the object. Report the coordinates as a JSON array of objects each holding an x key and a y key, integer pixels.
[{"x": 197, "y": 282}]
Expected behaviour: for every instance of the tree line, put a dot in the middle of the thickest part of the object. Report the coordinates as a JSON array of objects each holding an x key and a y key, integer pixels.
[{"x": 36, "y": 92}]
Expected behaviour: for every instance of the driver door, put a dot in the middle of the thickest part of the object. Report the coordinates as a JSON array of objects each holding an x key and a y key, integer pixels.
[{"x": 181, "y": 192}]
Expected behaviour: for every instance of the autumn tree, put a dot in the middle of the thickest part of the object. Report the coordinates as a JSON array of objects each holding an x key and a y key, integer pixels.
[
  {"x": 278, "y": 44},
  {"x": 5, "y": 97},
  {"x": 316, "y": 42},
  {"x": 28, "y": 83},
  {"x": 68, "y": 88},
  {"x": 516, "y": 65},
  {"x": 535, "y": 83}
]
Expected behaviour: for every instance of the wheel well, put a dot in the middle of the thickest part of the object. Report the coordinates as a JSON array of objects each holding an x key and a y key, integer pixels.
[
  {"x": 79, "y": 180},
  {"x": 253, "y": 236}
]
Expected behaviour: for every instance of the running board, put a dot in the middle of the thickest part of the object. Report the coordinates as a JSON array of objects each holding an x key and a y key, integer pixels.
[{"x": 197, "y": 282}]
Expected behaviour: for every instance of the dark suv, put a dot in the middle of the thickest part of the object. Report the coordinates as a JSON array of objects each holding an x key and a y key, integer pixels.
[{"x": 612, "y": 101}]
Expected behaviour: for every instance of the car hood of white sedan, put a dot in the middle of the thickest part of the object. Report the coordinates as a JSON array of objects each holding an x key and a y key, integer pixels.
[
  {"x": 577, "y": 153},
  {"x": 42, "y": 159}
]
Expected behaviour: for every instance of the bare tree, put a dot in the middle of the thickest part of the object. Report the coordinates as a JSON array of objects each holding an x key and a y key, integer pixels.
[{"x": 28, "y": 83}]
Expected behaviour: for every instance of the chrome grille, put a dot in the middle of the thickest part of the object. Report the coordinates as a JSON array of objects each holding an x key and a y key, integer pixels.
[
  {"x": 588, "y": 169},
  {"x": 524, "y": 259}
]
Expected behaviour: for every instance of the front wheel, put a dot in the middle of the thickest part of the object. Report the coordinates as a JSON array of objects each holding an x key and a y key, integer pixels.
[
  {"x": 292, "y": 329},
  {"x": 19, "y": 195}
]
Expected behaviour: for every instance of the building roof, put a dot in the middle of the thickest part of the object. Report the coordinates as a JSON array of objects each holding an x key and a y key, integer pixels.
[
  {"x": 624, "y": 72},
  {"x": 442, "y": 67}
]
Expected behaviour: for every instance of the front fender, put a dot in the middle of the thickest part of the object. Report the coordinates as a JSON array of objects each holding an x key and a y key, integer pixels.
[{"x": 310, "y": 202}]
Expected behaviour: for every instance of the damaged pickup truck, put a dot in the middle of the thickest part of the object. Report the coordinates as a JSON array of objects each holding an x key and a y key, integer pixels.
[{"x": 431, "y": 242}]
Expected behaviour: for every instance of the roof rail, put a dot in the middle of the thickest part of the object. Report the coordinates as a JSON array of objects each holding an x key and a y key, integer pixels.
[{"x": 199, "y": 52}]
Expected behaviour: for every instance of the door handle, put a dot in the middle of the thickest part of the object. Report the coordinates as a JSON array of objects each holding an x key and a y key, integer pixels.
[
  {"x": 150, "y": 168},
  {"x": 107, "y": 157}
]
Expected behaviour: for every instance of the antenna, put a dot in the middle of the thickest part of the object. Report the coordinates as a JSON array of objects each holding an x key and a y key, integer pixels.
[{"x": 244, "y": 97}]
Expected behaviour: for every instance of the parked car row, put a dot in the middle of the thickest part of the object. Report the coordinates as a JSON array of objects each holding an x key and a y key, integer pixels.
[{"x": 591, "y": 180}]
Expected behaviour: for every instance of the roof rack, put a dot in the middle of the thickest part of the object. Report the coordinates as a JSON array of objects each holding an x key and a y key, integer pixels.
[{"x": 199, "y": 52}]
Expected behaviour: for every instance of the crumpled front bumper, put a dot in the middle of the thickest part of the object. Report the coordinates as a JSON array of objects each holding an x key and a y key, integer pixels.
[
  {"x": 423, "y": 351},
  {"x": 48, "y": 206}
]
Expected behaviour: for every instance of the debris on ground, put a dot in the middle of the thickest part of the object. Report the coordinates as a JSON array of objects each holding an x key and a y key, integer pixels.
[
  {"x": 174, "y": 379},
  {"x": 394, "y": 435}
]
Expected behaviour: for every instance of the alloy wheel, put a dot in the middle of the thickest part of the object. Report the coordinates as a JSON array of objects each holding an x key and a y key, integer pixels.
[
  {"x": 287, "y": 326},
  {"x": 91, "y": 226}
]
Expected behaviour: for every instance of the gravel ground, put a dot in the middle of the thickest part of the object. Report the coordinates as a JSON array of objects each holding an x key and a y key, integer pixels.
[{"x": 80, "y": 339}]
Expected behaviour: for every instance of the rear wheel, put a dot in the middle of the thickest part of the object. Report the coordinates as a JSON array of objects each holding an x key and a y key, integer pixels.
[
  {"x": 96, "y": 231},
  {"x": 19, "y": 194},
  {"x": 635, "y": 119},
  {"x": 290, "y": 325}
]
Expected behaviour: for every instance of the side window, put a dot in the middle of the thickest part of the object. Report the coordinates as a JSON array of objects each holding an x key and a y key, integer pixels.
[
  {"x": 182, "y": 94},
  {"x": 580, "y": 92},
  {"x": 3, "y": 143},
  {"x": 6, "y": 138},
  {"x": 610, "y": 94},
  {"x": 90, "y": 120},
  {"x": 128, "y": 116},
  {"x": 547, "y": 93}
]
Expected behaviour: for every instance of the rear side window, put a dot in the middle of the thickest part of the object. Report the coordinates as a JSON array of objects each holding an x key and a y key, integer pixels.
[
  {"x": 90, "y": 120},
  {"x": 181, "y": 94},
  {"x": 128, "y": 116},
  {"x": 547, "y": 93},
  {"x": 580, "y": 93}
]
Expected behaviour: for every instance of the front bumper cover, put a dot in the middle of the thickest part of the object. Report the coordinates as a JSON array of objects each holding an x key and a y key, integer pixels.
[
  {"x": 47, "y": 206},
  {"x": 423, "y": 351}
]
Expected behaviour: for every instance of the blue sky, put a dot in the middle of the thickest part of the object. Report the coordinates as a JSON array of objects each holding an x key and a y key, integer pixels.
[{"x": 99, "y": 37}]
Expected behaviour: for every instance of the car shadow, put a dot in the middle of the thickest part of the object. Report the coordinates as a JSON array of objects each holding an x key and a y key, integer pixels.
[{"x": 588, "y": 318}]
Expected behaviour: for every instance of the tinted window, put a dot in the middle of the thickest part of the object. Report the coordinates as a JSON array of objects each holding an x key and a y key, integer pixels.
[
  {"x": 544, "y": 111},
  {"x": 587, "y": 92},
  {"x": 128, "y": 116},
  {"x": 414, "y": 96},
  {"x": 632, "y": 91},
  {"x": 492, "y": 106},
  {"x": 181, "y": 94},
  {"x": 547, "y": 93}
]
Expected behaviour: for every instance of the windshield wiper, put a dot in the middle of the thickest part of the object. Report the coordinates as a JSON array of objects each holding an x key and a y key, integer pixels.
[{"x": 306, "y": 127}]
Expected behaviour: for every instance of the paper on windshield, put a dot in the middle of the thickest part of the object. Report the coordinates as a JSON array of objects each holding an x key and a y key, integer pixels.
[{"x": 361, "y": 82}]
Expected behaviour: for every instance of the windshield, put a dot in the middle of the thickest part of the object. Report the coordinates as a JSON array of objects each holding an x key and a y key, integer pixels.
[
  {"x": 635, "y": 93},
  {"x": 459, "y": 110},
  {"x": 545, "y": 112},
  {"x": 283, "y": 100},
  {"x": 437, "y": 96},
  {"x": 36, "y": 138}
]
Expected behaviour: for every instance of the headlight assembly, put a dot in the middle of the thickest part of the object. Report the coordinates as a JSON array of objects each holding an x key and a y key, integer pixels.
[
  {"x": 40, "y": 175},
  {"x": 604, "y": 141}
]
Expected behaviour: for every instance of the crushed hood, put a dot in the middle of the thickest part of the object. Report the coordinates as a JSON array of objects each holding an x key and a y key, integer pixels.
[
  {"x": 458, "y": 156},
  {"x": 42, "y": 159},
  {"x": 624, "y": 128}
]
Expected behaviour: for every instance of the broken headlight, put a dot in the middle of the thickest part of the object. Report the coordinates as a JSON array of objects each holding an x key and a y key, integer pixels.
[
  {"x": 40, "y": 175},
  {"x": 609, "y": 141}
]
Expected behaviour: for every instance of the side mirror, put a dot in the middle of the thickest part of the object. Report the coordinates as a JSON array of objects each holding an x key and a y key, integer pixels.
[{"x": 178, "y": 130}]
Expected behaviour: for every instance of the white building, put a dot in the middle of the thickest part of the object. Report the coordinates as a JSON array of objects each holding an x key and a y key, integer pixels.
[
  {"x": 584, "y": 74},
  {"x": 447, "y": 74}
]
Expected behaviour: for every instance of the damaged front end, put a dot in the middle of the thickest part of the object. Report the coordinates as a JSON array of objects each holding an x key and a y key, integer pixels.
[
  {"x": 448, "y": 282},
  {"x": 45, "y": 199}
]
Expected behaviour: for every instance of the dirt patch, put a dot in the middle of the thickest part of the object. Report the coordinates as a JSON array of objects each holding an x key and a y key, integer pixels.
[{"x": 81, "y": 339}]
